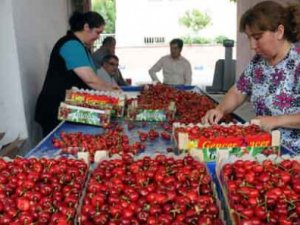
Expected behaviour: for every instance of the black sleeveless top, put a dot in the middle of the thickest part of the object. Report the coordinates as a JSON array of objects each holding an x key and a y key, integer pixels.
[{"x": 58, "y": 80}]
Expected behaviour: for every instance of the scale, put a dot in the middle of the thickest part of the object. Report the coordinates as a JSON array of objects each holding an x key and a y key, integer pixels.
[{"x": 224, "y": 75}]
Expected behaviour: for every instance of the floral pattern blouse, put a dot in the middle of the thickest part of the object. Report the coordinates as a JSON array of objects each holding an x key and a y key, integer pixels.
[{"x": 275, "y": 90}]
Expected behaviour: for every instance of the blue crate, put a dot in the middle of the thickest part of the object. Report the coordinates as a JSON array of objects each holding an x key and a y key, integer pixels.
[
  {"x": 140, "y": 88},
  {"x": 46, "y": 148}
]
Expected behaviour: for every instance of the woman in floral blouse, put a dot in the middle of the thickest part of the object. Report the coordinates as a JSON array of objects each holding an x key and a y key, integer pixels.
[{"x": 272, "y": 78}]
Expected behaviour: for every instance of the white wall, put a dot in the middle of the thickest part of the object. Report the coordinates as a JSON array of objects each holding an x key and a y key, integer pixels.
[
  {"x": 12, "y": 116},
  {"x": 29, "y": 29},
  {"x": 137, "y": 19}
]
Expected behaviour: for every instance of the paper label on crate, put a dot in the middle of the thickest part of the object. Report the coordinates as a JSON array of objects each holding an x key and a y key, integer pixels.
[
  {"x": 220, "y": 142},
  {"x": 261, "y": 140},
  {"x": 101, "y": 99},
  {"x": 91, "y": 99},
  {"x": 98, "y": 102},
  {"x": 210, "y": 154},
  {"x": 81, "y": 115},
  {"x": 151, "y": 115}
]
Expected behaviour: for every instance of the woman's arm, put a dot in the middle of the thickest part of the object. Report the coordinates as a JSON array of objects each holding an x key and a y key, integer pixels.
[
  {"x": 77, "y": 59},
  {"x": 232, "y": 100},
  {"x": 88, "y": 76},
  {"x": 285, "y": 121}
]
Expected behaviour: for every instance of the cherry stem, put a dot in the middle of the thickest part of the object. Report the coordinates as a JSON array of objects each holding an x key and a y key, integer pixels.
[{"x": 239, "y": 214}]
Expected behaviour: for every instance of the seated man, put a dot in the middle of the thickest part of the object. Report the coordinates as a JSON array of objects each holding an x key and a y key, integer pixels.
[
  {"x": 176, "y": 69},
  {"x": 109, "y": 70},
  {"x": 108, "y": 48}
]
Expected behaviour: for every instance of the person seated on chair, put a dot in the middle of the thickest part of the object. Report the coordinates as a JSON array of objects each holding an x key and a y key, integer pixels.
[
  {"x": 176, "y": 69},
  {"x": 108, "y": 48},
  {"x": 109, "y": 69}
]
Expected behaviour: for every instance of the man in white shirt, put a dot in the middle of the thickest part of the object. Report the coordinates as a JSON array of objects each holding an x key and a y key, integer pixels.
[{"x": 176, "y": 69}]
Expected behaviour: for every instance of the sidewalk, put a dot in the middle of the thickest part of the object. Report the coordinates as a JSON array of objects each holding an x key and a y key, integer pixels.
[{"x": 135, "y": 62}]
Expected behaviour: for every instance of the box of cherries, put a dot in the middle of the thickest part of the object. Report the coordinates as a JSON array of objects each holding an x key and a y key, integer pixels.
[
  {"x": 41, "y": 190},
  {"x": 150, "y": 112},
  {"x": 237, "y": 139},
  {"x": 158, "y": 189},
  {"x": 261, "y": 190},
  {"x": 84, "y": 115},
  {"x": 99, "y": 100}
]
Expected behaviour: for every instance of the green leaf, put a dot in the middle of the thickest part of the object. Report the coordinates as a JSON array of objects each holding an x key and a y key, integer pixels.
[{"x": 107, "y": 9}]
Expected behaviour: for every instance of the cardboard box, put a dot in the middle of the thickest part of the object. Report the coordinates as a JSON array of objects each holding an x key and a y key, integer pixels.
[
  {"x": 84, "y": 115},
  {"x": 207, "y": 147},
  {"x": 232, "y": 217},
  {"x": 102, "y": 100},
  {"x": 101, "y": 156},
  {"x": 145, "y": 113}
]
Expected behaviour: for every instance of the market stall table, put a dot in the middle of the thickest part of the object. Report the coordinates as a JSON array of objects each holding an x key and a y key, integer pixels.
[{"x": 45, "y": 147}]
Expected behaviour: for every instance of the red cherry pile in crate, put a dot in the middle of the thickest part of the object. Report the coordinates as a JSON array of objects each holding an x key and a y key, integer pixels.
[
  {"x": 267, "y": 193},
  {"x": 40, "y": 191},
  {"x": 162, "y": 190},
  {"x": 190, "y": 106},
  {"x": 112, "y": 140},
  {"x": 217, "y": 130},
  {"x": 226, "y": 134}
]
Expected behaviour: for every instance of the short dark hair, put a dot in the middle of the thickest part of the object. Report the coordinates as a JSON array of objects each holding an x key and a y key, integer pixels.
[
  {"x": 108, "y": 40},
  {"x": 78, "y": 19},
  {"x": 106, "y": 58},
  {"x": 177, "y": 42}
]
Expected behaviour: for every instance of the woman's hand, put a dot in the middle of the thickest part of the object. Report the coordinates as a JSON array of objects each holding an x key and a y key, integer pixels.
[
  {"x": 212, "y": 116},
  {"x": 88, "y": 76},
  {"x": 267, "y": 123},
  {"x": 230, "y": 102}
]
